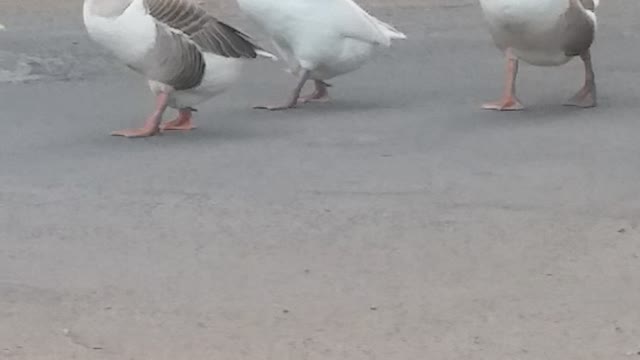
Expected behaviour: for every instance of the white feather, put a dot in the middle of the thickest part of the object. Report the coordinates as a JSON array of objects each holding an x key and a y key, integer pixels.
[
  {"x": 129, "y": 36},
  {"x": 328, "y": 37},
  {"x": 267, "y": 55}
]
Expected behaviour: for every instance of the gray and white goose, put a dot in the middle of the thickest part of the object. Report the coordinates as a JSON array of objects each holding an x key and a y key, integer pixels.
[
  {"x": 543, "y": 33},
  {"x": 187, "y": 55}
]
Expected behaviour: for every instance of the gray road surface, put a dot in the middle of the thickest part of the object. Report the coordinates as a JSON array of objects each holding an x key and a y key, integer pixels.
[{"x": 399, "y": 221}]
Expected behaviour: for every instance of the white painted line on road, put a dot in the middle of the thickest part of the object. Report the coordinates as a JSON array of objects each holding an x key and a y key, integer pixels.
[{"x": 2, "y": 27}]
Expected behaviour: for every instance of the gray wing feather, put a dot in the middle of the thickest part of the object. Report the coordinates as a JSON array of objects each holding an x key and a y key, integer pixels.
[
  {"x": 185, "y": 31},
  {"x": 206, "y": 31},
  {"x": 174, "y": 60}
]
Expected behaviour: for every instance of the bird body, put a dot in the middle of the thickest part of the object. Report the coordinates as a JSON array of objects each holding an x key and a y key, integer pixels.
[
  {"x": 542, "y": 33},
  {"x": 320, "y": 39},
  {"x": 185, "y": 53}
]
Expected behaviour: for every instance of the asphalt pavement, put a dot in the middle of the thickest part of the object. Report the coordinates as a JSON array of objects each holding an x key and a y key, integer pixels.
[{"x": 399, "y": 221}]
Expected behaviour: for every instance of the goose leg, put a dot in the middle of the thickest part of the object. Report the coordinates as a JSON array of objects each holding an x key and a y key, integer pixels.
[
  {"x": 509, "y": 101},
  {"x": 182, "y": 122},
  {"x": 586, "y": 97},
  {"x": 293, "y": 101},
  {"x": 152, "y": 124},
  {"x": 321, "y": 94}
]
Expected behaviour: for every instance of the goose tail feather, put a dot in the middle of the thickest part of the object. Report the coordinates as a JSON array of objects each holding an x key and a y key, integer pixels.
[{"x": 389, "y": 31}]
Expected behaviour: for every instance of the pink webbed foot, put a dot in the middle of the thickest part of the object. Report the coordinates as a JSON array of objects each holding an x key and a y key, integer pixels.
[
  {"x": 321, "y": 94},
  {"x": 151, "y": 126},
  {"x": 274, "y": 107},
  {"x": 508, "y": 104},
  {"x": 508, "y": 101},
  {"x": 315, "y": 97},
  {"x": 183, "y": 122},
  {"x": 293, "y": 100},
  {"x": 136, "y": 133},
  {"x": 585, "y": 98}
]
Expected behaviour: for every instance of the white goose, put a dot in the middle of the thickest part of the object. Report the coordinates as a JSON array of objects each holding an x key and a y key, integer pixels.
[
  {"x": 188, "y": 55},
  {"x": 319, "y": 39},
  {"x": 542, "y": 33}
]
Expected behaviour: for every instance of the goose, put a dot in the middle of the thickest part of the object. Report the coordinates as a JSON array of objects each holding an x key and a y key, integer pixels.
[
  {"x": 318, "y": 39},
  {"x": 187, "y": 55},
  {"x": 542, "y": 33}
]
